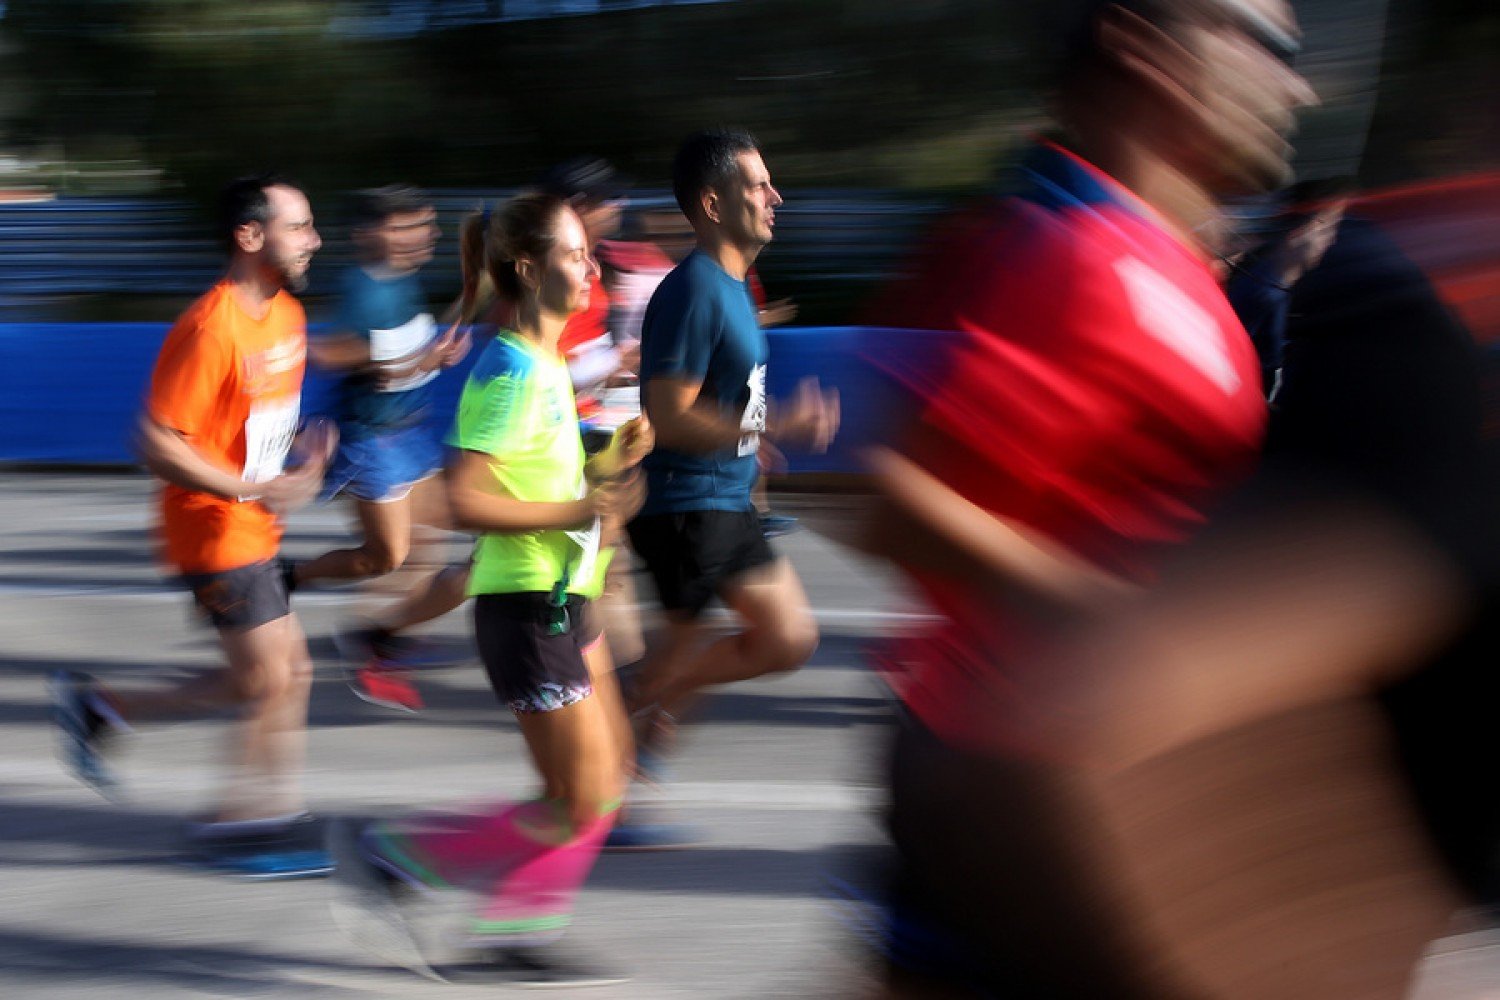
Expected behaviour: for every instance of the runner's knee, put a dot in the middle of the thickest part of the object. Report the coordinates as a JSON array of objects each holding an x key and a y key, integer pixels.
[
  {"x": 384, "y": 556},
  {"x": 301, "y": 669},
  {"x": 788, "y": 642},
  {"x": 261, "y": 681}
]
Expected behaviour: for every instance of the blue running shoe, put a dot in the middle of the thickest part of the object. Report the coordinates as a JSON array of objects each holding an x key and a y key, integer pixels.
[
  {"x": 268, "y": 864},
  {"x": 282, "y": 850},
  {"x": 776, "y": 525},
  {"x": 83, "y": 727}
]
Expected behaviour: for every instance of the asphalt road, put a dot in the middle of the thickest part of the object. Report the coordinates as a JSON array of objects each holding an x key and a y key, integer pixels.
[{"x": 779, "y": 775}]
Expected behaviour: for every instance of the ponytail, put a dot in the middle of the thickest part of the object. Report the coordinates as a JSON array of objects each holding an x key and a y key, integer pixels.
[{"x": 490, "y": 243}]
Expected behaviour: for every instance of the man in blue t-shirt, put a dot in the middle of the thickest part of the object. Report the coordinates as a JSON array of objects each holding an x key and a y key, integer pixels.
[
  {"x": 388, "y": 350},
  {"x": 703, "y": 384}
]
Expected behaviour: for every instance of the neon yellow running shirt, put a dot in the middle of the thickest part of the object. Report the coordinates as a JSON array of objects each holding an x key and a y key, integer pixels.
[{"x": 517, "y": 407}]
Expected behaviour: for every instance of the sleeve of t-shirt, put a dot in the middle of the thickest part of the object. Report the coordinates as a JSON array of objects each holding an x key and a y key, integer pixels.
[
  {"x": 491, "y": 413},
  {"x": 1018, "y": 395},
  {"x": 190, "y": 378},
  {"x": 353, "y": 315},
  {"x": 677, "y": 335}
]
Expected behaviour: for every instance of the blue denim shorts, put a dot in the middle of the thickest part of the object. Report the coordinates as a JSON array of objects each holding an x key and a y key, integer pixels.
[{"x": 384, "y": 467}]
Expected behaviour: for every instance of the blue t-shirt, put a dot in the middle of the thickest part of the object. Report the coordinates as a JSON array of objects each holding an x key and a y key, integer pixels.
[
  {"x": 390, "y": 314},
  {"x": 701, "y": 325}
]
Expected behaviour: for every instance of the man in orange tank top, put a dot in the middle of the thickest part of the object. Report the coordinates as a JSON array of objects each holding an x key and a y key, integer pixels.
[{"x": 219, "y": 426}]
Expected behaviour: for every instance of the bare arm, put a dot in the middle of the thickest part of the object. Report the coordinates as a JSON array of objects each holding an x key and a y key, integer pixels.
[
  {"x": 919, "y": 522},
  {"x": 339, "y": 351},
  {"x": 170, "y": 455},
  {"x": 477, "y": 507},
  {"x": 686, "y": 422},
  {"x": 1310, "y": 604},
  {"x": 350, "y": 352}
]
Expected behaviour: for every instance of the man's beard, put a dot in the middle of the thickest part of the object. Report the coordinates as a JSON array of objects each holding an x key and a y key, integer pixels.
[{"x": 292, "y": 281}]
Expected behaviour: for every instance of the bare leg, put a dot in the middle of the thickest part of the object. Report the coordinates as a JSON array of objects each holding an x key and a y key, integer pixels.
[
  {"x": 607, "y": 691},
  {"x": 577, "y": 751},
  {"x": 270, "y": 736},
  {"x": 269, "y": 675},
  {"x": 443, "y": 590},
  {"x": 779, "y": 635},
  {"x": 617, "y": 606},
  {"x": 441, "y": 593},
  {"x": 387, "y": 540}
]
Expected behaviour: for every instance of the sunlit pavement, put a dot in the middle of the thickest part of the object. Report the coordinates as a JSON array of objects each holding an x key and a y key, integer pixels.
[{"x": 778, "y": 775}]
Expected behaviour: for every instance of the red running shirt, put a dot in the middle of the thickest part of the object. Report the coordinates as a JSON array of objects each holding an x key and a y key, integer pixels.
[{"x": 1099, "y": 390}]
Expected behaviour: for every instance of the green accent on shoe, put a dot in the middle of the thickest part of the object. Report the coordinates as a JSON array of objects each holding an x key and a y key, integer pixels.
[
  {"x": 402, "y": 855},
  {"x": 527, "y": 925}
]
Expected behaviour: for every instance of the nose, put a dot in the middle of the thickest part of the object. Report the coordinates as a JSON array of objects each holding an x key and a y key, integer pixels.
[
  {"x": 314, "y": 240},
  {"x": 594, "y": 270},
  {"x": 775, "y": 197}
]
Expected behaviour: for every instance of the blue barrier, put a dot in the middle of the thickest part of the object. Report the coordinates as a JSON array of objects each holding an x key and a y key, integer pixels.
[{"x": 70, "y": 392}]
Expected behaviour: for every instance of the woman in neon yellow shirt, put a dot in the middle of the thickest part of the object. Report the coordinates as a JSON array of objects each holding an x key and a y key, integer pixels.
[{"x": 520, "y": 480}]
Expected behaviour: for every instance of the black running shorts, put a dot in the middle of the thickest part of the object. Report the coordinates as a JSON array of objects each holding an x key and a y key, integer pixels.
[
  {"x": 991, "y": 893},
  {"x": 692, "y": 555},
  {"x": 532, "y": 666},
  {"x": 243, "y": 598}
]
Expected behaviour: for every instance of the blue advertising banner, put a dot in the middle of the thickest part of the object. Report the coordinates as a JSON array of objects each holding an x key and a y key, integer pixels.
[{"x": 70, "y": 392}]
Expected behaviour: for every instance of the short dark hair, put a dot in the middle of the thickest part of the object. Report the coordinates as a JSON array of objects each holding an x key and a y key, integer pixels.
[
  {"x": 708, "y": 160},
  {"x": 373, "y": 206},
  {"x": 243, "y": 200},
  {"x": 588, "y": 180}
]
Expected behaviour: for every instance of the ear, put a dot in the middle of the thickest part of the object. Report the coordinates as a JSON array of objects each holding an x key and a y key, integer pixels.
[
  {"x": 1148, "y": 53},
  {"x": 528, "y": 273},
  {"x": 250, "y": 237},
  {"x": 712, "y": 210}
]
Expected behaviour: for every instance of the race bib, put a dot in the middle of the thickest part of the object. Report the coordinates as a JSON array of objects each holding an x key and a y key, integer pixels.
[
  {"x": 269, "y": 430},
  {"x": 404, "y": 341},
  {"x": 587, "y": 540},
  {"x": 753, "y": 420}
]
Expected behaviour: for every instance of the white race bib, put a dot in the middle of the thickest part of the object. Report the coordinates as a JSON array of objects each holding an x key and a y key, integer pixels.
[
  {"x": 753, "y": 420},
  {"x": 404, "y": 341},
  {"x": 587, "y": 540},
  {"x": 269, "y": 430}
]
